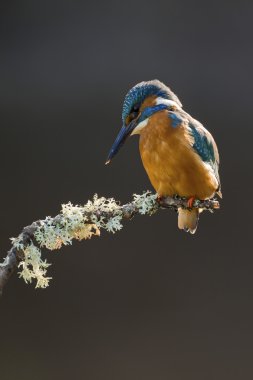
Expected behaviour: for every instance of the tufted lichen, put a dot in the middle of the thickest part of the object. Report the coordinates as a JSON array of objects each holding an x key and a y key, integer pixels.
[
  {"x": 146, "y": 203},
  {"x": 80, "y": 223},
  {"x": 74, "y": 222}
]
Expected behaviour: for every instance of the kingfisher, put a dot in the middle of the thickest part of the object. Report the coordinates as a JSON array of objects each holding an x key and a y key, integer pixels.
[{"x": 179, "y": 155}]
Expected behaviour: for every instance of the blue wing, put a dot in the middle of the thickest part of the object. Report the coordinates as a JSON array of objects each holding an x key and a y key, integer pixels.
[
  {"x": 200, "y": 139},
  {"x": 205, "y": 146}
]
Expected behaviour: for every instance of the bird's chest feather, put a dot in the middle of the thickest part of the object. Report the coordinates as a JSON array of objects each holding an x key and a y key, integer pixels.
[{"x": 171, "y": 164}]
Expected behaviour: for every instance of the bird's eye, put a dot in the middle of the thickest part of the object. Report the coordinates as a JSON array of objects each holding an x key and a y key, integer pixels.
[
  {"x": 133, "y": 115},
  {"x": 136, "y": 107},
  {"x": 134, "y": 112}
]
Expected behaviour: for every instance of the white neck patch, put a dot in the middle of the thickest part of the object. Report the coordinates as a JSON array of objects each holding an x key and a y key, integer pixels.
[
  {"x": 142, "y": 124},
  {"x": 167, "y": 102}
]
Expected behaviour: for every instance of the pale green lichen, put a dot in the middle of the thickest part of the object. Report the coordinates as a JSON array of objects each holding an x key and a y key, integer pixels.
[
  {"x": 33, "y": 267},
  {"x": 104, "y": 206},
  {"x": 146, "y": 203},
  {"x": 74, "y": 222},
  {"x": 114, "y": 224},
  {"x": 52, "y": 235},
  {"x": 17, "y": 242}
]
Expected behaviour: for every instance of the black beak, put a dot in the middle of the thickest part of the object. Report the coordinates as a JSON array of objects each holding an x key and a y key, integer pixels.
[{"x": 124, "y": 133}]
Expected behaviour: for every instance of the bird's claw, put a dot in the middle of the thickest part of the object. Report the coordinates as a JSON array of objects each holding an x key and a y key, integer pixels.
[{"x": 190, "y": 202}]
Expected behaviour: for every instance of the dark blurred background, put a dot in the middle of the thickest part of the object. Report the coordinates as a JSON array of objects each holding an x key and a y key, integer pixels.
[{"x": 150, "y": 302}]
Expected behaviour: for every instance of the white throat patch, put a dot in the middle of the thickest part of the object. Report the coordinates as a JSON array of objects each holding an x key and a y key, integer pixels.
[{"x": 140, "y": 126}]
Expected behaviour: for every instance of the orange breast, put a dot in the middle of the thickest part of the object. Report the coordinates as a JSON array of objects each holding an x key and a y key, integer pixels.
[{"x": 171, "y": 163}]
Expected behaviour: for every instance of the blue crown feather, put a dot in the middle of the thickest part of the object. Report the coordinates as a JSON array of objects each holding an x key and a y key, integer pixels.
[{"x": 142, "y": 90}]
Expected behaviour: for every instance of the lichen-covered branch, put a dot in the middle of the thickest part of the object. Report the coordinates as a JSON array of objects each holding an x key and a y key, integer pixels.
[{"x": 79, "y": 222}]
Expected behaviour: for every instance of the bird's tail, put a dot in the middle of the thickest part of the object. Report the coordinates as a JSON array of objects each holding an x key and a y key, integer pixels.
[{"x": 188, "y": 220}]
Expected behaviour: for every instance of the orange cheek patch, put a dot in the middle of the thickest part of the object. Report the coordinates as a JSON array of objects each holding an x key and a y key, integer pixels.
[{"x": 149, "y": 102}]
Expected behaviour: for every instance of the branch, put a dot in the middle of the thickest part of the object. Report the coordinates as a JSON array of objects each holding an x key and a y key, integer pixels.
[{"x": 79, "y": 222}]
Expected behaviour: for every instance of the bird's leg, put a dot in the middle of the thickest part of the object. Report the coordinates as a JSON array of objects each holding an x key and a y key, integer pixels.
[
  {"x": 190, "y": 202},
  {"x": 159, "y": 198}
]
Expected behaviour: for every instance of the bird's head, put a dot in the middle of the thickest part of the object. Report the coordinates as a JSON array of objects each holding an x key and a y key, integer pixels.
[{"x": 141, "y": 102}]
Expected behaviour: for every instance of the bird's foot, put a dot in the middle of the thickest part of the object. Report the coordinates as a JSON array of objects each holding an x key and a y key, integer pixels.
[
  {"x": 190, "y": 202},
  {"x": 159, "y": 198}
]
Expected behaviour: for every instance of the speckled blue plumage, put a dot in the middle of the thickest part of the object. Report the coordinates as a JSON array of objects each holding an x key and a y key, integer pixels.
[
  {"x": 149, "y": 111},
  {"x": 142, "y": 90},
  {"x": 204, "y": 145},
  {"x": 176, "y": 119}
]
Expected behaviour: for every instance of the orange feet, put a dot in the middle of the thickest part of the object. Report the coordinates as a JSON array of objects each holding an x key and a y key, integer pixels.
[{"x": 190, "y": 202}]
